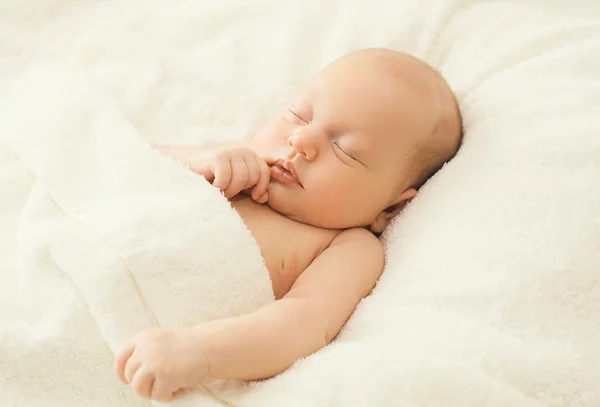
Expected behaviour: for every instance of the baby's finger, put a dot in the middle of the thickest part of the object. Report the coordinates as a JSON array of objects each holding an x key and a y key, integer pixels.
[
  {"x": 160, "y": 392},
  {"x": 131, "y": 367},
  {"x": 253, "y": 171},
  {"x": 263, "y": 198},
  {"x": 239, "y": 176},
  {"x": 263, "y": 183},
  {"x": 221, "y": 168},
  {"x": 121, "y": 361},
  {"x": 205, "y": 171},
  {"x": 143, "y": 382}
]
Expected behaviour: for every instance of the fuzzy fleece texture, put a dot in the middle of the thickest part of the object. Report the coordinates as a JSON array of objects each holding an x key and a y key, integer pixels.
[{"x": 491, "y": 291}]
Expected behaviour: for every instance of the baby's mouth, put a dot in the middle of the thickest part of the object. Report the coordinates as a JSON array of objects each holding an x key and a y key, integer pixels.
[{"x": 285, "y": 172}]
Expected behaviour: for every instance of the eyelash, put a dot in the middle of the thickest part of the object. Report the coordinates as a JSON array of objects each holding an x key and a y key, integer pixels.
[
  {"x": 297, "y": 115},
  {"x": 342, "y": 150}
]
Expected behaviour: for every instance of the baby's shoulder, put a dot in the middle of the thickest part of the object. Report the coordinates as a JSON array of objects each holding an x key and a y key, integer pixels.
[
  {"x": 354, "y": 236},
  {"x": 357, "y": 243},
  {"x": 350, "y": 265}
]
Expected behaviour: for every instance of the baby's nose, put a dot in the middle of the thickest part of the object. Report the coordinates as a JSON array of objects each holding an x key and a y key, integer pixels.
[
  {"x": 307, "y": 142},
  {"x": 304, "y": 144}
]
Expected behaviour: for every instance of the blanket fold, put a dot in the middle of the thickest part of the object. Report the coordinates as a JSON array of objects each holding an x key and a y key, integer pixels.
[{"x": 117, "y": 237}]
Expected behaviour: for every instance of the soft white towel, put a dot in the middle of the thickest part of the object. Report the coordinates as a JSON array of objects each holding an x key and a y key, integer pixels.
[{"x": 113, "y": 239}]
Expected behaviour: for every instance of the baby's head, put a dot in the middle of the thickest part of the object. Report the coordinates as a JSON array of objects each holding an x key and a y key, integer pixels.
[{"x": 360, "y": 139}]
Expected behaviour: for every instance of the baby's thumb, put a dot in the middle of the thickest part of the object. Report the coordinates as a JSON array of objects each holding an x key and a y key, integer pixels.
[
  {"x": 121, "y": 361},
  {"x": 204, "y": 171}
]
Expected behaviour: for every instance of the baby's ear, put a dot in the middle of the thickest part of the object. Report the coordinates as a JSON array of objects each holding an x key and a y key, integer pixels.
[{"x": 385, "y": 216}]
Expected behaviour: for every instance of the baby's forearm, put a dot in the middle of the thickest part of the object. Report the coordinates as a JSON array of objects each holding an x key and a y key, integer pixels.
[{"x": 261, "y": 344}]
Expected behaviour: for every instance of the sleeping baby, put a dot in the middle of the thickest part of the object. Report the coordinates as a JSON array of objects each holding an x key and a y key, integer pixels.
[{"x": 315, "y": 187}]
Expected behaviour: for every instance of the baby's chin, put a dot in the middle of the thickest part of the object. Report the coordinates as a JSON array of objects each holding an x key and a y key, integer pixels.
[
  {"x": 278, "y": 201},
  {"x": 286, "y": 203},
  {"x": 292, "y": 209},
  {"x": 299, "y": 206}
]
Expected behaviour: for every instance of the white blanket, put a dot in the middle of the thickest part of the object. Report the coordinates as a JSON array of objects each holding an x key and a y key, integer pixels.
[
  {"x": 112, "y": 239},
  {"x": 491, "y": 292}
]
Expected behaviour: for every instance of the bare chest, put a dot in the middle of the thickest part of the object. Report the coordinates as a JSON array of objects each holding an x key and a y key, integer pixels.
[{"x": 287, "y": 247}]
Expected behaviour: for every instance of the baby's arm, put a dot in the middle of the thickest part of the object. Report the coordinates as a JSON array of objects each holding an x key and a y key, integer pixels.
[
  {"x": 266, "y": 342},
  {"x": 270, "y": 340}
]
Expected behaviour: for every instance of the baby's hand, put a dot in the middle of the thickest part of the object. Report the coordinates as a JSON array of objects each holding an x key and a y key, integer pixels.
[
  {"x": 235, "y": 170},
  {"x": 231, "y": 170},
  {"x": 159, "y": 362}
]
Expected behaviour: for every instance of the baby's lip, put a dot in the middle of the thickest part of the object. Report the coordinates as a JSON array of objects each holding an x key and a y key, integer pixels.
[{"x": 289, "y": 167}]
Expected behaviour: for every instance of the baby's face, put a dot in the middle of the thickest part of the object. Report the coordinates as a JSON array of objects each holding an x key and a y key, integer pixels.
[{"x": 340, "y": 150}]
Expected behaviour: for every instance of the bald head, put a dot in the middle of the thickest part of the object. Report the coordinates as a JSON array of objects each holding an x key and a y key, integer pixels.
[
  {"x": 441, "y": 143},
  {"x": 439, "y": 140}
]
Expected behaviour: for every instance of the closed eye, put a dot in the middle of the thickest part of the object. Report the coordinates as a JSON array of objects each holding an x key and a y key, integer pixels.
[
  {"x": 297, "y": 116},
  {"x": 336, "y": 146}
]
